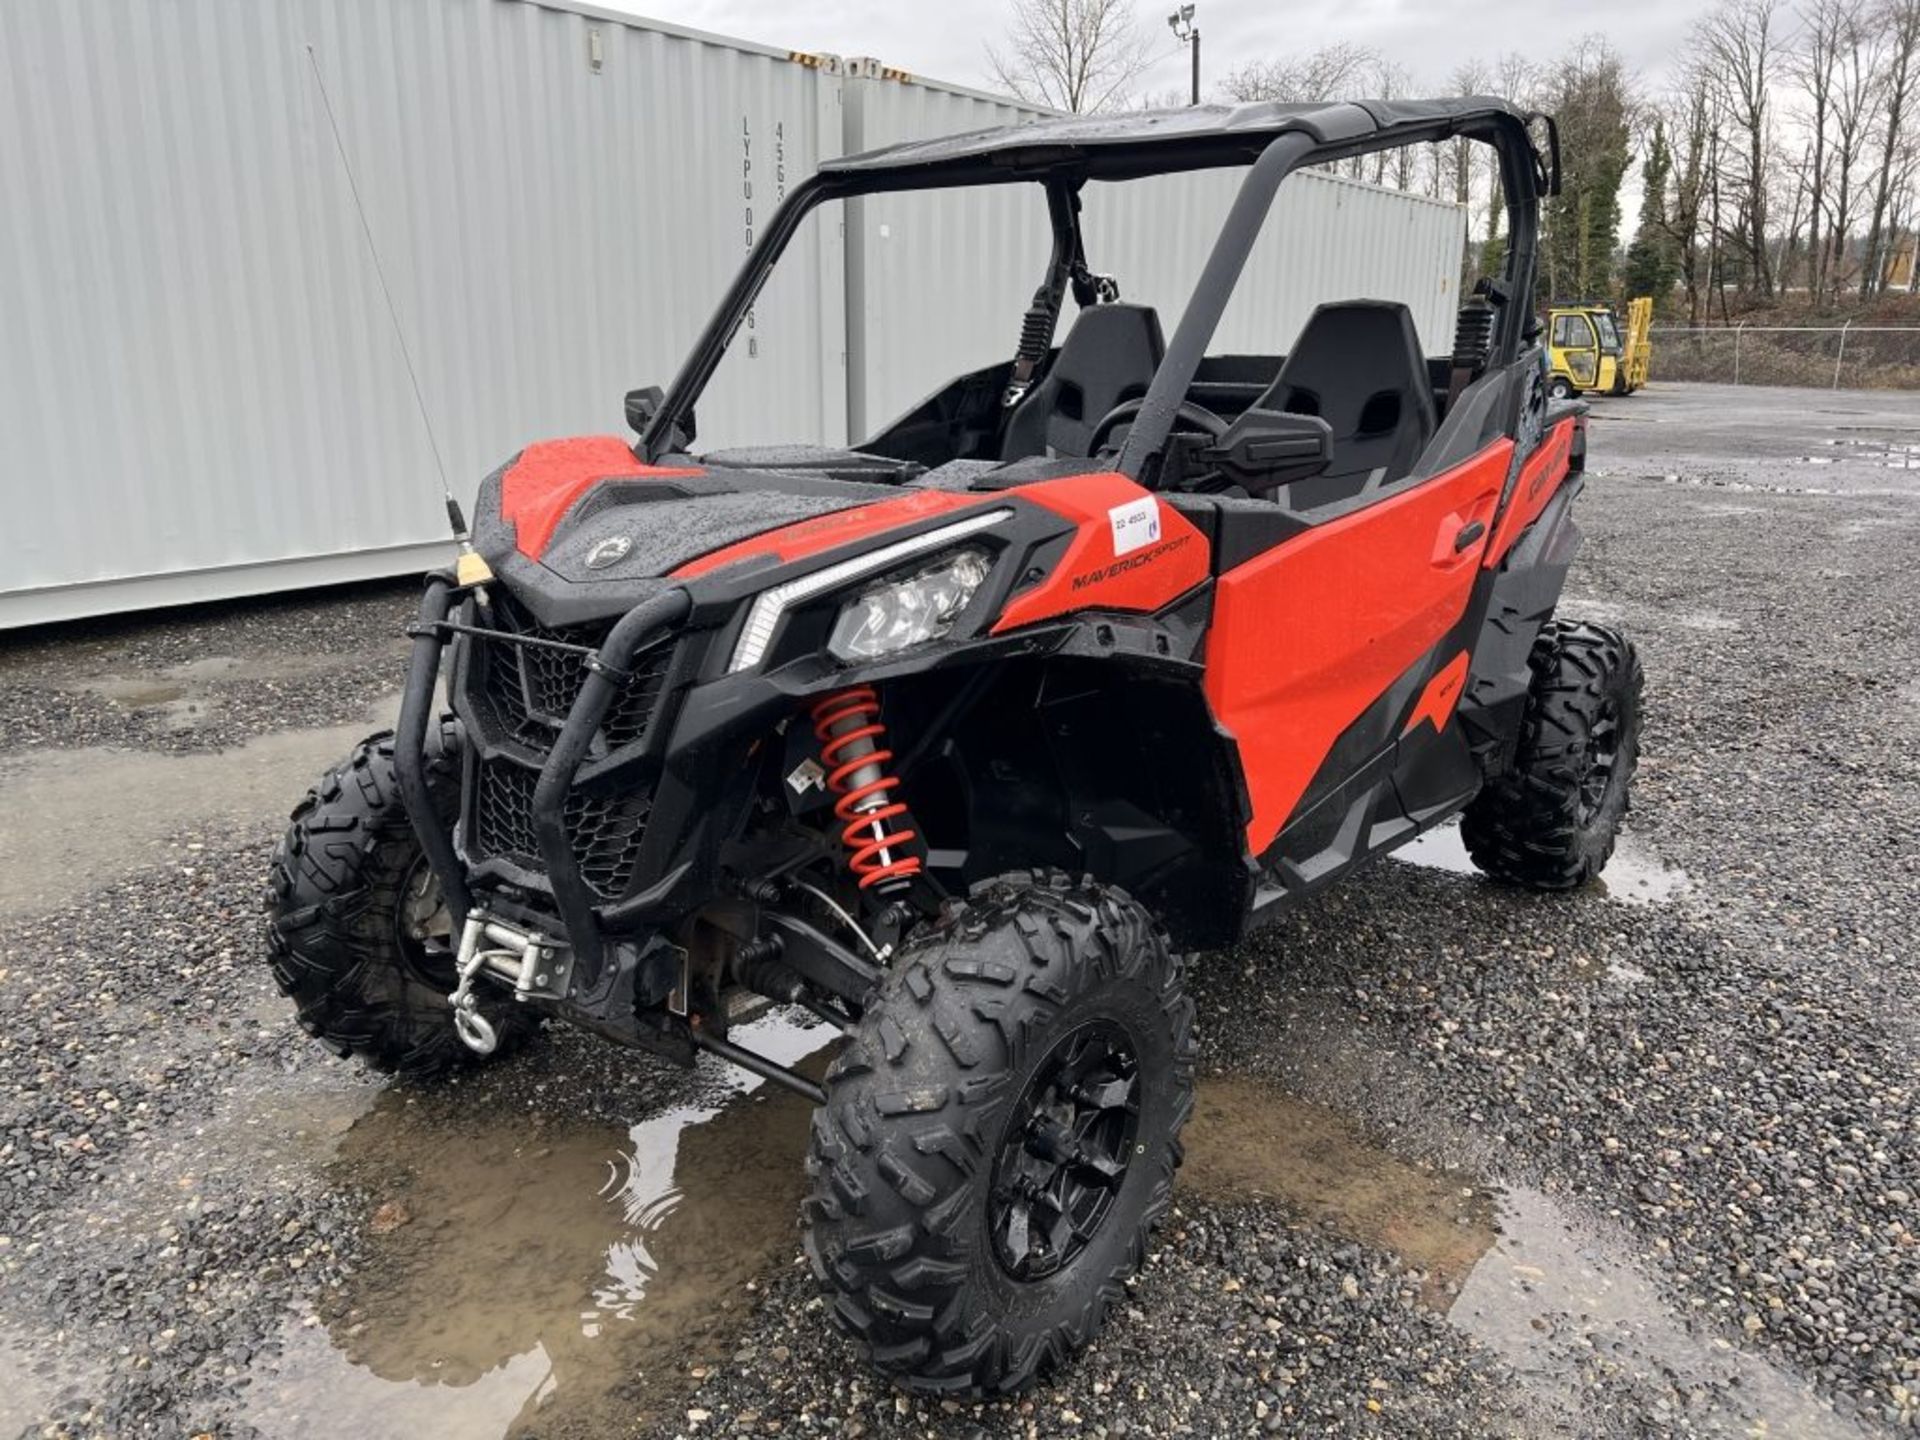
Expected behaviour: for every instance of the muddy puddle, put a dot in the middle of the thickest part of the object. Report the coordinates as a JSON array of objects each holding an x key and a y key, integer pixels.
[
  {"x": 1635, "y": 874},
  {"x": 101, "y": 813},
  {"x": 1248, "y": 1141},
  {"x": 555, "y": 1277},
  {"x": 35, "y": 1379},
  {"x": 1872, "y": 450},
  {"x": 1567, "y": 1308},
  {"x": 563, "y": 1280},
  {"x": 1559, "y": 1299}
]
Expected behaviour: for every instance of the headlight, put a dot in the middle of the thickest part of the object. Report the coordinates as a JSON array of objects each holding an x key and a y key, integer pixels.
[
  {"x": 771, "y": 606},
  {"x": 909, "y": 611}
]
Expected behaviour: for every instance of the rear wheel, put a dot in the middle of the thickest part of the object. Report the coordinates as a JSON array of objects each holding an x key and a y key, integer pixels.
[
  {"x": 1560, "y": 388},
  {"x": 357, "y": 934},
  {"x": 1551, "y": 820},
  {"x": 1000, "y": 1135}
]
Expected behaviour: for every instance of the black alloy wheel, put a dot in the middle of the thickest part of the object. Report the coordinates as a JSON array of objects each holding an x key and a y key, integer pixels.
[{"x": 1066, "y": 1153}]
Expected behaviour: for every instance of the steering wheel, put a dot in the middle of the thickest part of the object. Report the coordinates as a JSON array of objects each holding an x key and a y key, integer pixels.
[{"x": 1188, "y": 419}]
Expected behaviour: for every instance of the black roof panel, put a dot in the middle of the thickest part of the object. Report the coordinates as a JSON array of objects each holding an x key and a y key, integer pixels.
[{"x": 1192, "y": 128}]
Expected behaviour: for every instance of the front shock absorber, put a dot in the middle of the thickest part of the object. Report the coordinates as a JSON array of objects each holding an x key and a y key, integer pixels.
[{"x": 853, "y": 748}]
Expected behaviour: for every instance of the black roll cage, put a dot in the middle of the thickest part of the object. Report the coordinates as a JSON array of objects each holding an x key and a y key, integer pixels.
[{"x": 1292, "y": 138}]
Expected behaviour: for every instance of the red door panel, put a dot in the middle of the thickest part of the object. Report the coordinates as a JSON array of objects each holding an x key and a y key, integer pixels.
[{"x": 1306, "y": 636}]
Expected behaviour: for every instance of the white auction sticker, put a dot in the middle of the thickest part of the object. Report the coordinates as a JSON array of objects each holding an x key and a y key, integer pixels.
[{"x": 1135, "y": 523}]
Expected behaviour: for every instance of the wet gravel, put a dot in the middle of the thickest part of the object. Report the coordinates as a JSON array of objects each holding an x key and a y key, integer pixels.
[
  {"x": 147, "y": 1266},
  {"x": 1723, "y": 1090},
  {"x": 1241, "y": 1323},
  {"x": 208, "y": 676}
]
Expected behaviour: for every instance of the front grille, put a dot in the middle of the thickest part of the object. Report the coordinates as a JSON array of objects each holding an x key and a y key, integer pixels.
[
  {"x": 520, "y": 696},
  {"x": 605, "y": 830},
  {"x": 531, "y": 688}
]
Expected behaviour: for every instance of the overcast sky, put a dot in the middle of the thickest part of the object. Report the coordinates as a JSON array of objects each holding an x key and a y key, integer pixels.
[{"x": 945, "y": 39}]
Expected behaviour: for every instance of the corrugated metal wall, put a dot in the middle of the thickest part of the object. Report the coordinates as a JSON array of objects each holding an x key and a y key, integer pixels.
[
  {"x": 936, "y": 281},
  {"x": 943, "y": 280},
  {"x": 202, "y": 395},
  {"x": 200, "y": 377},
  {"x": 1325, "y": 239}
]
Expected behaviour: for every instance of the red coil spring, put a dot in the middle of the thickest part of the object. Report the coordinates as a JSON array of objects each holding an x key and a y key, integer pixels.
[{"x": 866, "y": 836}]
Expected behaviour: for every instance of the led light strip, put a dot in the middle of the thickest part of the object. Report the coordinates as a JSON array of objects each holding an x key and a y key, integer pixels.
[{"x": 771, "y": 605}]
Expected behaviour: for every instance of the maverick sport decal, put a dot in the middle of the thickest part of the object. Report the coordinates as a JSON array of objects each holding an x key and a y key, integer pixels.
[
  {"x": 1132, "y": 562},
  {"x": 1128, "y": 552}
]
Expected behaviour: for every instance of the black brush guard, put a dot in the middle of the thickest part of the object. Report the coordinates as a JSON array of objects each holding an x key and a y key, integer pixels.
[{"x": 608, "y": 671}]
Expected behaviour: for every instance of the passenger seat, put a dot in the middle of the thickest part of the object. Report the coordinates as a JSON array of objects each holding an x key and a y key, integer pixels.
[{"x": 1358, "y": 365}]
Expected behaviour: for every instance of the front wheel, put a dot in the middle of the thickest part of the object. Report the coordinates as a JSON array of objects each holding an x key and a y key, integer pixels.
[
  {"x": 1550, "y": 821},
  {"x": 1000, "y": 1135},
  {"x": 1560, "y": 388},
  {"x": 357, "y": 934}
]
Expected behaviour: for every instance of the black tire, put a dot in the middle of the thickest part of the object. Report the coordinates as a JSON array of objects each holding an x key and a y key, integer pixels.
[
  {"x": 1561, "y": 388},
  {"x": 924, "y": 1119},
  {"x": 339, "y": 933},
  {"x": 1551, "y": 820}
]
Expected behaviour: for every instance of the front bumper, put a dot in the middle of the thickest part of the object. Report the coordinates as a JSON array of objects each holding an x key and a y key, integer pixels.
[{"x": 550, "y": 770}]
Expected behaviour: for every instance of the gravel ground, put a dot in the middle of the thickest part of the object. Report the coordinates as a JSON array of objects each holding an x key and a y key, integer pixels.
[
  {"x": 210, "y": 677},
  {"x": 1692, "y": 1103}
]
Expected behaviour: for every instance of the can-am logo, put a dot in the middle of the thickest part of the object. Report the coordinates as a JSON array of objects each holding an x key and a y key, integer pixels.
[{"x": 610, "y": 551}]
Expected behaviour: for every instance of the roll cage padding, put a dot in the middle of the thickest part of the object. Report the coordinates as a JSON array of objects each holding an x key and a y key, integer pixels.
[
  {"x": 1358, "y": 365},
  {"x": 1109, "y": 355}
]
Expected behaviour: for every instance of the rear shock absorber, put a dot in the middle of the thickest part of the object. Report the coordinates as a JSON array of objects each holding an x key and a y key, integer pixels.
[{"x": 852, "y": 747}]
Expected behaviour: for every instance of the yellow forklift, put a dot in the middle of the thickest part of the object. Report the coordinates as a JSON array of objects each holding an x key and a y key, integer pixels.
[
  {"x": 1591, "y": 351},
  {"x": 1639, "y": 347}
]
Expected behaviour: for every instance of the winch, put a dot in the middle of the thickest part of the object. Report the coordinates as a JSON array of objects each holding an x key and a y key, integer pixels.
[{"x": 536, "y": 965}]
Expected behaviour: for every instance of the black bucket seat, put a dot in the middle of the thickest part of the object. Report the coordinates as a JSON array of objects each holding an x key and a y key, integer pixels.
[
  {"x": 1357, "y": 365},
  {"x": 1109, "y": 355}
]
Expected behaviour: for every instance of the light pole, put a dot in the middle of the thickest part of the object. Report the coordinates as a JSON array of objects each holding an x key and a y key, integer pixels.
[{"x": 1188, "y": 33}]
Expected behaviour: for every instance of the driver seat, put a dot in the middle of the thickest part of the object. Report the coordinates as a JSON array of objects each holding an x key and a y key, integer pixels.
[
  {"x": 1357, "y": 364},
  {"x": 1109, "y": 355}
]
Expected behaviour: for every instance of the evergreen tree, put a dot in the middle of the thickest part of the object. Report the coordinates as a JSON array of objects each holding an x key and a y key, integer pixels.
[
  {"x": 1651, "y": 263},
  {"x": 1493, "y": 256},
  {"x": 1588, "y": 94}
]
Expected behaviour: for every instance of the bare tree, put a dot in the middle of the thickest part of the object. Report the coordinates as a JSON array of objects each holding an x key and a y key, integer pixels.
[
  {"x": 1465, "y": 163},
  {"x": 1336, "y": 72},
  {"x": 1856, "y": 101},
  {"x": 1388, "y": 81},
  {"x": 1690, "y": 123},
  {"x": 1812, "y": 64},
  {"x": 1805, "y": 209},
  {"x": 1900, "y": 20},
  {"x": 1469, "y": 79},
  {"x": 1515, "y": 78},
  {"x": 1739, "y": 47},
  {"x": 1078, "y": 55}
]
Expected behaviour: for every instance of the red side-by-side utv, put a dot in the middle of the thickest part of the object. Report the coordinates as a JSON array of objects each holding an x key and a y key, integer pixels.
[{"x": 961, "y": 736}]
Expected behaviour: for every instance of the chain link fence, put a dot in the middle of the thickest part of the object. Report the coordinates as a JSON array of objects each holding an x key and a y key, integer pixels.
[{"x": 1829, "y": 357}]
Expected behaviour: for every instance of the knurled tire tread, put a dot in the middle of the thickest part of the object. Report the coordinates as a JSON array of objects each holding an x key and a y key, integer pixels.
[
  {"x": 915, "y": 1105},
  {"x": 1524, "y": 827},
  {"x": 334, "y": 891}
]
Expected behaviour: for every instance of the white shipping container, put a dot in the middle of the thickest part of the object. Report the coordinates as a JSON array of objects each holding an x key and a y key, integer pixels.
[
  {"x": 202, "y": 392},
  {"x": 203, "y": 395}
]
